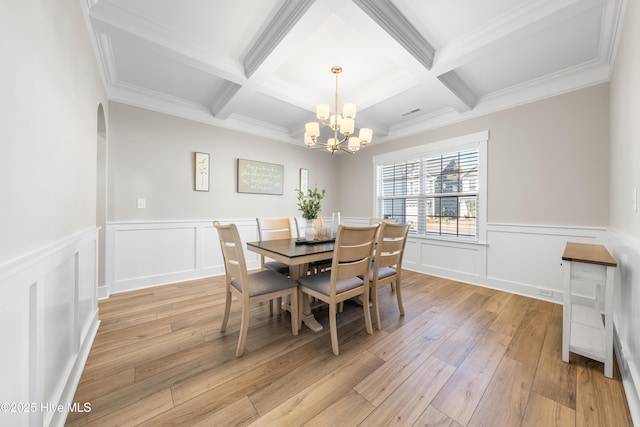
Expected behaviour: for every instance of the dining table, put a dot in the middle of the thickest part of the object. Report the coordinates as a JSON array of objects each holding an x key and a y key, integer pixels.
[{"x": 297, "y": 254}]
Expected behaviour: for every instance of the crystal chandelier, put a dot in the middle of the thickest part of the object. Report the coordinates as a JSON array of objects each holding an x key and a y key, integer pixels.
[{"x": 345, "y": 124}]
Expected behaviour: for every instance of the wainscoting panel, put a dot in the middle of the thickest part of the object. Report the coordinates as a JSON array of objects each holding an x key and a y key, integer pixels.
[
  {"x": 48, "y": 319},
  {"x": 143, "y": 254},
  {"x": 626, "y": 316},
  {"x": 521, "y": 259},
  {"x": 531, "y": 256},
  {"x": 449, "y": 256}
]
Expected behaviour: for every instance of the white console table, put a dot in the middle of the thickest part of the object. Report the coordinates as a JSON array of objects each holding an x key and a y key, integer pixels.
[{"x": 584, "y": 331}]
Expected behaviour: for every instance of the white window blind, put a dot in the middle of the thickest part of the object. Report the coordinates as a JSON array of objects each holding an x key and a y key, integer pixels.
[{"x": 439, "y": 193}]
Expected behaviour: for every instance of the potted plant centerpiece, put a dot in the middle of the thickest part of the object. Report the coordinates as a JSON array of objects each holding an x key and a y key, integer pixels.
[{"x": 309, "y": 205}]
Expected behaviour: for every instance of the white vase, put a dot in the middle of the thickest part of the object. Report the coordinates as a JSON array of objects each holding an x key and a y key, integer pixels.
[
  {"x": 335, "y": 223},
  {"x": 309, "y": 231}
]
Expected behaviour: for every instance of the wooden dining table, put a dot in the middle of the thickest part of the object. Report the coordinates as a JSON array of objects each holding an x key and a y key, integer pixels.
[{"x": 297, "y": 255}]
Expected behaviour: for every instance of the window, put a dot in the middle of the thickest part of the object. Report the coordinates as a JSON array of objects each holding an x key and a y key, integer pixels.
[{"x": 438, "y": 187}]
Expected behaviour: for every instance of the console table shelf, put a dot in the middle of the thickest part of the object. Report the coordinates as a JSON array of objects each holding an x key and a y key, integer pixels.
[{"x": 585, "y": 330}]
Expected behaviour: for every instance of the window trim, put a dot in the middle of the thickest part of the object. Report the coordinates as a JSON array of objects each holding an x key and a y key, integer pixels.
[{"x": 477, "y": 140}]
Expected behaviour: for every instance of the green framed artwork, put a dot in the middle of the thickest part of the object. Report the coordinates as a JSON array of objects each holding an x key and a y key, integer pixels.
[{"x": 260, "y": 177}]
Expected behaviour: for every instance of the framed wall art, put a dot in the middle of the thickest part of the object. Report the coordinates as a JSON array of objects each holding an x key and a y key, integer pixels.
[
  {"x": 304, "y": 180},
  {"x": 201, "y": 172},
  {"x": 260, "y": 177}
]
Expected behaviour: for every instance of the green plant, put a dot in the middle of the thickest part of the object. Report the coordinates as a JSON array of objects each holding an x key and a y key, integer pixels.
[{"x": 309, "y": 204}]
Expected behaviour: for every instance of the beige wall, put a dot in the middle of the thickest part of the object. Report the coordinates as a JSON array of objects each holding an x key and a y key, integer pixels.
[
  {"x": 51, "y": 90},
  {"x": 151, "y": 157},
  {"x": 548, "y": 161},
  {"x": 625, "y": 126}
]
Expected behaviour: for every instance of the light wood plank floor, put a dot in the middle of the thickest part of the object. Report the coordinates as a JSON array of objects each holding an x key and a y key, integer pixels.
[{"x": 462, "y": 355}]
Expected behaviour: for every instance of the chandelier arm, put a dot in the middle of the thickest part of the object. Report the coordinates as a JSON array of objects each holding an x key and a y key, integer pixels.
[{"x": 346, "y": 150}]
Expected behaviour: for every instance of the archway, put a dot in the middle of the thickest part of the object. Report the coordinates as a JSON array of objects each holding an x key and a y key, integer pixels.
[{"x": 101, "y": 193}]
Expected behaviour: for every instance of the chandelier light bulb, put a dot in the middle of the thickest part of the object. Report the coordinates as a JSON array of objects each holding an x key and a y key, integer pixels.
[
  {"x": 349, "y": 111},
  {"x": 312, "y": 129},
  {"x": 322, "y": 111},
  {"x": 354, "y": 143},
  {"x": 365, "y": 135}
]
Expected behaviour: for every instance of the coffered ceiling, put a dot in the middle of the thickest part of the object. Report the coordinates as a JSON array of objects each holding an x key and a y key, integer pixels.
[{"x": 261, "y": 66}]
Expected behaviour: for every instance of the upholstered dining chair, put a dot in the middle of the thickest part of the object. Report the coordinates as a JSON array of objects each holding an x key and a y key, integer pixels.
[
  {"x": 263, "y": 285},
  {"x": 351, "y": 258},
  {"x": 272, "y": 229},
  {"x": 387, "y": 264}
]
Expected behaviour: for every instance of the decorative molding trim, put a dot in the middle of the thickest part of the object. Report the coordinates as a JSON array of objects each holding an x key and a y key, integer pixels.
[
  {"x": 387, "y": 15},
  {"x": 224, "y": 96},
  {"x": 452, "y": 81},
  {"x": 288, "y": 15}
]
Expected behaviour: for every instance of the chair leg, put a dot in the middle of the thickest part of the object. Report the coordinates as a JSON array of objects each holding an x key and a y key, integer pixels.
[
  {"x": 376, "y": 306},
  {"x": 301, "y": 295},
  {"x": 270, "y": 307},
  {"x": 399, "y": 296},
  {"x": 227, "y": 308},
  {"x": 334, "y": 328},
  {"x": 279, "y": 307},
  {"x": 295, "y": 312},
  {"x": 367, "y": 311},
  {"x": 244, "y": 327}
]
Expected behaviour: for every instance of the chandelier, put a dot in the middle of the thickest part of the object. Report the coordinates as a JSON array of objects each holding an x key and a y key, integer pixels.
[{"x": 345, "y": 124}]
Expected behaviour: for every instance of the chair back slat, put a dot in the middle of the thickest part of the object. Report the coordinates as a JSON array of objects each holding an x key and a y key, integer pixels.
[
  {"x": 352, "y": 253},
  {"x": 392, "y": 239},
  {"x": 233, "y": 254},
  {"x": 274, "y": 228},
  {"x": 381, "y": 220}
]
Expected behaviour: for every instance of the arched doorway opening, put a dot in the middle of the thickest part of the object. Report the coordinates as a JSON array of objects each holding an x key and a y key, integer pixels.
[{"x": 101, "y": 194}]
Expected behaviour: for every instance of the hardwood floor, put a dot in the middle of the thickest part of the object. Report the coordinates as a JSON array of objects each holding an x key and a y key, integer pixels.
[{"x": 462, "y": 355}]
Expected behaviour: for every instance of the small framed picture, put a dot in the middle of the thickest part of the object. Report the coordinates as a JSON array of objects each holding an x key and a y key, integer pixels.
[
  {"x": 201, "y": 172},
  {"x": 304, "y": 180}
]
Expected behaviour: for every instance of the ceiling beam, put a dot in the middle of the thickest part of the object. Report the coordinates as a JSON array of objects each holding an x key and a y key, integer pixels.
[
  {"x": 286, "y": 18},
  {"x": 387, "y": 15},
  {"x": 464, "y": 99}
]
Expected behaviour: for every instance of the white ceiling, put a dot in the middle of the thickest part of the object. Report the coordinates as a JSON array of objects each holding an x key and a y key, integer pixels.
[{"x": 261, "y": 66}]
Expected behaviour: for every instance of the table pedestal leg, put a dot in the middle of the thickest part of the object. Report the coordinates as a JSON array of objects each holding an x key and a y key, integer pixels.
[{"x": 306, "y": 315}]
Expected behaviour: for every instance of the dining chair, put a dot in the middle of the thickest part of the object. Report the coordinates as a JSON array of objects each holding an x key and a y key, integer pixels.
[
  {"x": 387, "y": 264},
  {"x": 351, "y": 258},
  {"x": 260, "y": 286},
  {"x": 272, "y": 229},
  {"x": 381, "y": 220}
]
